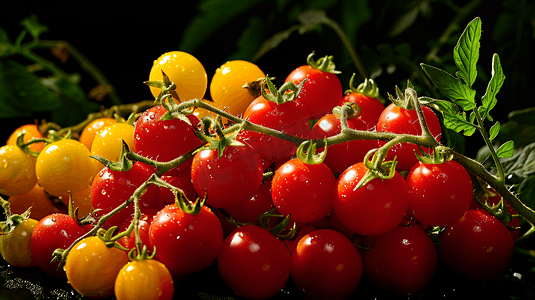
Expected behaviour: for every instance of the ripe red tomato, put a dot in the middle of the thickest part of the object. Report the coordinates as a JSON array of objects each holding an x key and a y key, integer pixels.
[
  {"x": 112, "y": 188},
  {"x": 144, "y": 280},
  {"x": 54, "y": 231},
  {"x": 254, "y": 263},
  {"x": 321, "y": 92},
  {"x": 165, "y": 140},
  {"x": 402, "y": 260},
  {"x": 185, "y": 243},
  {"x": 402, "y": 121},
  {"x": 341, "y": 156},
  {"x": 229, "y": 180},
  {"x": 289, "y": 117},
  {"x": 304, "y": 191},
  {"x": 439, "y": 194},
  {"x": 260, "y": 203},
  {"x": 181, "y": 182},
  {"x": 477, "y": 246},
  {"x": 129, "y": 242},
  {"x": 374, "y": 209},
  {"x": 370, "y": 108},
  {"x": 326, "y": 265}
]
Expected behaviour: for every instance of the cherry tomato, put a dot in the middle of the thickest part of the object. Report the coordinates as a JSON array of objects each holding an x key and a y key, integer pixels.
[
  {"x": 17, "y": 171},
  {"x": 92, "y": 267},
  {"x": 439, "y": 194},
  {"x": 375, "y": 208},
  {"x": 182, "y": 182},
  {"x": 260, "y": 203},
  {"x": 289, "y": 117},
  {"x": 15, "y": 247},
  {"x": 326, "y": 265},
  {"x": 37, "y": 199},
  {"x": 184, "y": 70},
  {"x": 304, "y": 191},
  {"x": 81, "y": 200},
  {"x": 402, "y": 260},
  {"x": 112, "y": 188},
  {"x": 370, "y": 108},
  {"x": 185, "y": 243},
  {"x": 321, "y": 92},
  {"x": 108, "y": 142},
  {"x": 145, "y": 220},
  {"x": 229, "y": 180},
  {"x": 402, "y": 121},
  {"x": 64, "y": 166},
  {"x": 31, "y": 131},
  {"x": 54, "y": 231},
  {"x": 254, "y": 263},
  {"x": 165, "y": 140},
  {"x": 91, "y": 130},
  {"x": 477, "y": 246},
  {"x": 144, "y": 280},
  {"x": 341, "y": 156}
]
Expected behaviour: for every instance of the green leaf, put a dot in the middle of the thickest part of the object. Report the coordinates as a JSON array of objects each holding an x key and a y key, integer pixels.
[
  {"x": 466, "y": 52},
  {"x": 451, "y": 87},
  {"x": 488, "y": 101},
  {"x": 506, "y": 150},
  {"x": 453, "y": 118},
  {"x": 212, "y": 16},
  {"x": 522, "y": 163},
  {"x": 33, "y": 26},
  {"x": 494, "y": 130},
  {"x": 526, "y": 191}
]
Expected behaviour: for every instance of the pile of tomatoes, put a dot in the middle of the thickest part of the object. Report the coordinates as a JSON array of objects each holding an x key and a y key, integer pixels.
[{"x": 256, "y": 205}]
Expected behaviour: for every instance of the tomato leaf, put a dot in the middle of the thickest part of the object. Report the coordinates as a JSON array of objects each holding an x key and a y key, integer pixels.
[
  {"x": 454, "y": 119},
  {"x": 33, "y": 26},
  {"x": 506, "y": 150},
  {"x": 451, "y": 87},
  {"x": 466, "y": 52},
  {"x": 522, "y": 163},
  {"x": 489, "y": 99},
  {"x": 494, "y": 130}
]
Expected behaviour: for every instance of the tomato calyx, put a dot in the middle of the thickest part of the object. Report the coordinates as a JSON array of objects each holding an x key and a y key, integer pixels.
[
  {"x": 368, "y": 87},
  {"x": 404, "y": 100},
  {"x": 124, "y": 164},
  {"x": 221, "y": 139},
  {"x": 278, "y": 230},
  {"x": 12, "y": 220},
  {"x": 107, "y": 236},
  {"x": 377, "y": 168},
  {"x": 287, "y": 92},
  {"x": 499, "y": 210},
  {"x": 255, "y": 87},
  {"x": 441, "y": 154},
  {"x": 350, "y": 109},
  {"x": 311, "y": 158},
  {"x": 167, "y": 88},
  {"x": 324, "y": 64}
]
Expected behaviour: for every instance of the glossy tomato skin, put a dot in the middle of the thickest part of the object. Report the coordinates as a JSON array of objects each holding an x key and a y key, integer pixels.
[
  {"x": 37, "y": 199},
  {"x": 226, "y": 86},
  {"x": 321, "y": 92},
  {"x": 165, "y": 140},
  {"x": 341, "y": 156},
  {"x": 289, "y": 117},
  {"x": 185, "y": 70},
  {"x": 185, "y": 243},
  {"x": 260, "y": 203},
  {"x": 375, "y": 208},
  {"x": 182, "y": 182},
  {"x": 111, "y": 188},
  {"x": 478, "y": 246},
  {"x": 92, "y": 267},
  {"x": 144, "y": 280},
  {"x": 254, "y": 263},
  {"x": 30, "y": 131},
  {"x": 402, "y": 121},
  {"x": 439, "y": 194},
  {"x": 402, "y": 260},
  {"x": 91, "y": 130},
  {"x": 370, "y": 108},
  {"x": 17, "y": 175},
  {"x": 108, "y": 142},
  {"x": 129, "y": 242},
  {"x": 15, "y": 247},
  {"x": 303, "y": 191},
  {"x": 229, "y": 180},
  {"x": 326, "y": 265},
  {"x": 54, "y": 231}
]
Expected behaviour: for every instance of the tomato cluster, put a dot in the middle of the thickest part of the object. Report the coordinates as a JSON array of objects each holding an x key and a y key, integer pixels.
[{"x": 262, "y": 208}]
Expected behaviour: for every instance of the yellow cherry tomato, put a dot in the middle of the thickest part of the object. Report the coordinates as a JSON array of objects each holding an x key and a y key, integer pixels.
[
  {"x": 144, "y": 280},
  {"x": 30, "y": 132},
  {"x": 17, "y": 171},
  {"x": 15, "y": 246},
  {"x": 91, "y": 267},
  {"x": 89, "y": 132},
  {"x": 37, "y": 199},
  {"x": 108, "y": 142},
  {"x": 64, "y": 166},
  {"x": 184, "y": 70},
  {"x": 226, "y": 87}
]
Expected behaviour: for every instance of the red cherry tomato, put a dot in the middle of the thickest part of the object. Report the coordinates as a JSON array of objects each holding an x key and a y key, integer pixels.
[
  {"x": 402, "y": 121},
  {"x": 326, "y": 265},
  {"x": 370, "y": 108},
  {"x": 375, "y": 208},
  {"x": 254, "y": 263},
  {"x": 402, "y": 260},
  {"x": 439, "y": 194},
  {"x": 260, "y": 203},
  {"x": 477, "y": 247},
  {"x": 181, "y": 182},
  {"x": 185, "y": 243}
]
